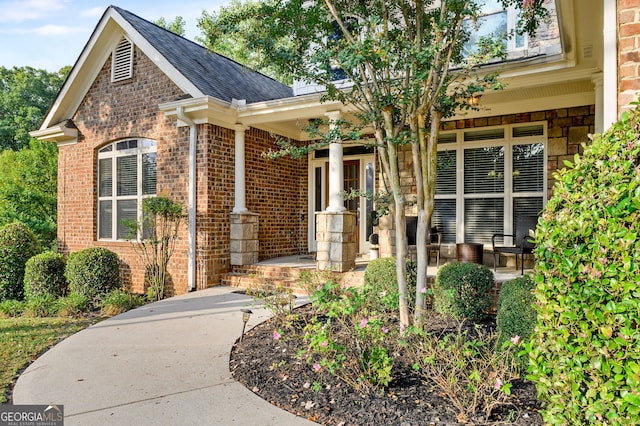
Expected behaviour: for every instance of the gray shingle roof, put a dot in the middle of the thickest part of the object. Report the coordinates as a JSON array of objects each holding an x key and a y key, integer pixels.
[{"x": 215, "y": 75}]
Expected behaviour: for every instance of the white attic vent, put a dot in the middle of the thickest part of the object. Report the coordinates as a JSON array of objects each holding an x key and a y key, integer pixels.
[{"x": 122, "y": 61}]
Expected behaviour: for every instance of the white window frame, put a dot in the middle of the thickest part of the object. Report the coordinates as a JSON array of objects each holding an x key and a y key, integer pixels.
[
  {"x": 508, "y": 142},
  {"x": 145, "y": 146}
]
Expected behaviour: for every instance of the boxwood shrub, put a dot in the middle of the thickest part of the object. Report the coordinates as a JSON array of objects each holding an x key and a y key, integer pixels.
[
  {"x": 93, "y": 272},
  {"x": 585, "y": 357},
  {"x": 516, "y": 314},
  {"x": 17, "y": 245},
  {"x": 44, "y": 274},
  {"x": 463, "y": 290},
  {"x": 381, "y": 282}
]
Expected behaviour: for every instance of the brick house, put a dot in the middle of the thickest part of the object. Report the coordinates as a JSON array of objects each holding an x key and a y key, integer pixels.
[{"x": 146, "y": 112}]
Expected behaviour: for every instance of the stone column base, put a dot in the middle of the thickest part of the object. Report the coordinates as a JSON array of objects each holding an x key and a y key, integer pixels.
[
  {"x": 336, "y": 238},
  {"x": 244, "y": 238}
]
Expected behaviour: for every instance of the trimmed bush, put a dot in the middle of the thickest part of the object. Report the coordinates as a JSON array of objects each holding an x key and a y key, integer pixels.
[
  {"x": 585, "y": 356},
  {"x": 17, "y": 245},
  {"x": 44, "y": 274},
  {"x": 382, "y": 283},
  {"x": 462, "y": 290},
  {"x": 93, "y": 272},
  {"x": 516, "y": 314}
]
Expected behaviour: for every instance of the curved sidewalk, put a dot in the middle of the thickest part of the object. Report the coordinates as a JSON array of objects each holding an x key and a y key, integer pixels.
[{"x": 166, "y": 363}]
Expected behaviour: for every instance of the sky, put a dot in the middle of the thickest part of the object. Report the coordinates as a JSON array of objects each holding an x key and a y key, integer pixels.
[{"x": 50, "y": 34}]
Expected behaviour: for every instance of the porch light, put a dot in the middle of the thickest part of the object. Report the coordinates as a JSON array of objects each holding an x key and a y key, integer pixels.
[
  {"x": 246, "y": 313},
  {"x": 474, "y": 100}
]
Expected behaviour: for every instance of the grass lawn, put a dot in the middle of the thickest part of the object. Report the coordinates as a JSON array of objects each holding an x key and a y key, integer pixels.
[{"x": 23, "y": 339}]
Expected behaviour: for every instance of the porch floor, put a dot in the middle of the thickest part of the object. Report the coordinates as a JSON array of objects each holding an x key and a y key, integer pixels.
[{"x": 502, "y": 274}]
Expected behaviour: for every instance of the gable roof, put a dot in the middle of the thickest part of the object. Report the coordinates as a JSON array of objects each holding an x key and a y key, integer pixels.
[
  {"x": 197, "y": 71},
  {"x": 215, "y": 75}
]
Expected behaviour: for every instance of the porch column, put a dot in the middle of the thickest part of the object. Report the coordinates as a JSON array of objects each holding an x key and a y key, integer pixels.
[
  {"x": 598, "y": 82},
  {"x": 336, "y": 170},
  {"x": 240, "y": 197},
  {"x": 244, "y": 243},
  {"x": 336, "y": 227},
  {"x": 610, "y": 64}
]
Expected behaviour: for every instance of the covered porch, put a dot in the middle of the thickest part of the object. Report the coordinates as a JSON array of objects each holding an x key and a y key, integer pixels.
[{"x": 283, "y": 273}]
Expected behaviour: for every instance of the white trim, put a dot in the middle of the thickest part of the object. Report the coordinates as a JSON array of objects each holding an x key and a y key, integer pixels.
[{"x": 610, "y": 64}]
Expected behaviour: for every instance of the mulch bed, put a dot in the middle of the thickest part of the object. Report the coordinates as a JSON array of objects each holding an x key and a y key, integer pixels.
[{"x": 272, "y": 370}]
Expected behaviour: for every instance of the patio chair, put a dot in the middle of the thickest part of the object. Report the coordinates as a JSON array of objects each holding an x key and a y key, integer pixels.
[
  {"x": 434, "y": 237},
  {"x": 521, "y": 240}
]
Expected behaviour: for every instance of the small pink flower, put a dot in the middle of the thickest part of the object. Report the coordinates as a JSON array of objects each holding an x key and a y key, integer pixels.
[
  {"x": 276, "y": 335},
  {"x": 423, "y": 290},
  {"x": 498, "y": 383},
  {"x": 515, "y": 339},
  {"x": 383, "y": 293},
  {"x": 527, "y": 3},
  {"x": 316, "y": 367},
  {"x": 325, "y": 343},
  {"x": 385, "y": 330},
  {"x": 319, "y": 287},
  {"x": 363, "y": 323}
]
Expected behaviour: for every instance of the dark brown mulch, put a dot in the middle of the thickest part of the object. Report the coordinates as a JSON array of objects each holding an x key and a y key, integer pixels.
[{"x": 271, "y": 369}]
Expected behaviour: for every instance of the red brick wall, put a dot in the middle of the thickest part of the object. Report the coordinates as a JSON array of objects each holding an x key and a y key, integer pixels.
[
  {"x": 112, "y": 111},
  {"x": 628, "y": 53},
  {"x": 277, "y": 190}
]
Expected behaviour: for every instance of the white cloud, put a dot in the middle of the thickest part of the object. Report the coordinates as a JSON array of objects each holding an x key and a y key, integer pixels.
[
  {"x": 95, "y": 12},
  {"x": 21, "y": 10},
  {"x": 54, "y": 30}
]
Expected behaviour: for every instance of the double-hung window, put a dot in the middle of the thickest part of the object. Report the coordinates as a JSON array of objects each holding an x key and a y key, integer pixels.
[
  {"x": 126, "y": 175},
  {"x": 486, "y": 178}
]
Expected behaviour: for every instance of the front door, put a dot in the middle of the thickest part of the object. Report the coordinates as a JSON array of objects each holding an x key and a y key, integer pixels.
[{"x": 358, "y": 173}]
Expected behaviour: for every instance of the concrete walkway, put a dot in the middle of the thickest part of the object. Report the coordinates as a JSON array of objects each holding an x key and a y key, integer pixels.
[{"x": 166, "y": 363}]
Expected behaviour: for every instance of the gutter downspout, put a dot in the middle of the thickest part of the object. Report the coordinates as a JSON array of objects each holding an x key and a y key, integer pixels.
[{"x": 193, "y": 136}]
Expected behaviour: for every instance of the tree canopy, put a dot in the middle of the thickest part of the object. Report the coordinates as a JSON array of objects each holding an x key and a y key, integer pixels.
[
  {"x": 25, "y": 97},
  {"x": 176, "y": 26}
]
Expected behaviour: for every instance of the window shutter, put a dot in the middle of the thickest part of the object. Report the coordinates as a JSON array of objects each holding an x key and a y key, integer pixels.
[
  {"x": 127, "y": 175},
  {"x": 122, "y": 61},
  {"x": 106, "y": 219},
  {"x": 528, "y": 168},
  {"x": 484, "y": 170},
  {"x": 105, "y": 172},
  {"x": 483, "y": 217},
  {"x": 149, "y": 174},
  {"x": 127, "y": 212},
  {"x": 447, "y": 173}
]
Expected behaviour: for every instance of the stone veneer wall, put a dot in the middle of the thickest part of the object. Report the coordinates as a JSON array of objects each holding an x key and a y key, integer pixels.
[{"x": 567, "y": 129}]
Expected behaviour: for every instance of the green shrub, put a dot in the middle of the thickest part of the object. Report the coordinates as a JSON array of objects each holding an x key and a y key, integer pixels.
[
  {"x": 17, "y": 245},
  {"x": 93, "y": 272},
  {"x": 43, "y": 305},
  {"x": 516, "y": 316},
  {"x": 118, "y": 301},
  {"x": 44, "y": 274},
  {"x": 11, "y": 308},
  {"x": 381, "y": 282},
  {"x": 585, "y": 356},
  {"x": 462, "y": 290},
  {"x": 73, "y": 305}
]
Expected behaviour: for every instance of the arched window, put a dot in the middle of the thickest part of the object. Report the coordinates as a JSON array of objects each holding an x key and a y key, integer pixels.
[{"x": 126, "y": 175}]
